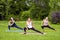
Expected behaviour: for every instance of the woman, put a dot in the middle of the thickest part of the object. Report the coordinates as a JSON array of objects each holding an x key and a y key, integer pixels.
[
  {"x": 29, "y": 26},
  {"x": 12, "y": 24},
  {"x": 45, "y": 23}
]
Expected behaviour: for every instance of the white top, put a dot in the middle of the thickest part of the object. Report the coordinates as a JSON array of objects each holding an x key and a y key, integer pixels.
[
  {"x": 45, "y": 22},
  {"x": 11, "y": 22},
  {"x": 29, "y": 24}
]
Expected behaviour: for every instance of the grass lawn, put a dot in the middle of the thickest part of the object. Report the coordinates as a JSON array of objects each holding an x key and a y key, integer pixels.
[{"x": 51, "y": 35}]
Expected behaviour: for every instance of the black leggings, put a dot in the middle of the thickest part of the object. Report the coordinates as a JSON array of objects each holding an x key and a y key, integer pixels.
[
  {"x": 47, "y": 27},
  {"x": 32, "y": 29}
]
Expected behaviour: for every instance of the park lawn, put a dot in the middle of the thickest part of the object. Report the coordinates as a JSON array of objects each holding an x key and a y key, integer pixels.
[{"x": 50, "y": 34}]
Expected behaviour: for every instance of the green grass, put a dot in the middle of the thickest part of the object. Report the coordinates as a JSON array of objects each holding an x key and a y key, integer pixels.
[{"x": 51, "y": 35}]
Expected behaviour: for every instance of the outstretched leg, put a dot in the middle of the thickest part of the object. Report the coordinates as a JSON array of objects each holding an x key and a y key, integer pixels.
[
  {"x": 17, "y": 26},
  {"x": 36, "y": 30},
  {"x": 50, "y": 27}
]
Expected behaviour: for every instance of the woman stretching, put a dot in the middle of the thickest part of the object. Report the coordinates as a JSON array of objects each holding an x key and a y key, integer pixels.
[
  {"x": 13, "y": 24},
  {"x": 45, "y": 23},
  {"x": 29, "y": 26}
]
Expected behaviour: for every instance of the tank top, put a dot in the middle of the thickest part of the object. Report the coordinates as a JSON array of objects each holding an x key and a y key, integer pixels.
[
  {"x": 29, "y": 25},
  {"x": 11, "y": 22},
  {"x": 45, "y": 23}
]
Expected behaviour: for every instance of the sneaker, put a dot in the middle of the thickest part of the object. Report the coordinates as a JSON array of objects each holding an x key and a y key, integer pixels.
[{"x": 44, "y": 33}]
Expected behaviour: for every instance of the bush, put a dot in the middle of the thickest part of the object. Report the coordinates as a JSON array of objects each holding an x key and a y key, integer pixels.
[
  {"x": 16, "y": 17},
  {"x": 39, "y": 14},
  {"x": 25, "y": 15},
  {"x": 55, "y": 17}
]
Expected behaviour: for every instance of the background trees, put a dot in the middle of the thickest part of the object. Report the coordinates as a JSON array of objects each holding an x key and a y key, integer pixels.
[
  {"x": 20, "y": 9},
  {"x": 54, "y": 11},
  {"x": 41, "y": 9}
]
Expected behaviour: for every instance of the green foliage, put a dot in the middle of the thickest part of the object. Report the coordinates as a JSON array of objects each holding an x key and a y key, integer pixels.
[
  {"x": 41, "y": 9},
  {"x": 37, "y": 9},
  {"x": 16, "y": 17},
  {"x": 55, "y": 5},
  {"x": 25, "y": 15}
]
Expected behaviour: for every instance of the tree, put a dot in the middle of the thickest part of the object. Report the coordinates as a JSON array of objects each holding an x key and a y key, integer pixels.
[
  {"x": 55, "y": 5},
  {"x": 2, "y": 10},
  {"x": 41, "y": 9}
]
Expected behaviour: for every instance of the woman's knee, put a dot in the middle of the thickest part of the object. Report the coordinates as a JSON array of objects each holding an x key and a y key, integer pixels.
[
  {"x": 24, "y": 27},
  {"x": 42, "y": 27}
]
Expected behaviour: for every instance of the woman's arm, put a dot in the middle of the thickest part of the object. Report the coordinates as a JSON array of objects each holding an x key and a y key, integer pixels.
[
  {"x": 32, "y": 24},
  {"x": 10, "y": 23},
  {"x": 48, "y": 23}
]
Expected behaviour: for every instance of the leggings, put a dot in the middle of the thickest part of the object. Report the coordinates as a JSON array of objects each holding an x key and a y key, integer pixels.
[
  {"x": 47, "y": 27},
  {"x": 14, "y": 25},
  {"x": 32, "y": 29}
]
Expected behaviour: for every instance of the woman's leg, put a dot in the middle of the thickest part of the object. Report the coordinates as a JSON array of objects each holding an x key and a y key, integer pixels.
[
  {"x": 8, "y": 27},
  {"x": 25, "y": 30},
  {"x": 43, "y": 28},
  {"x": 36, "y": 30},
  {"x": 17, "y": 26},
  {"x": 50, "y": 27}
]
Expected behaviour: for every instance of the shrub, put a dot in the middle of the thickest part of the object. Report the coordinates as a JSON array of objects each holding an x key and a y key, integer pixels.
[
  {"x": 16, "y": 17},
  {"x": 25, "y": 15},
  {"x": 55, "y": 17}
]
